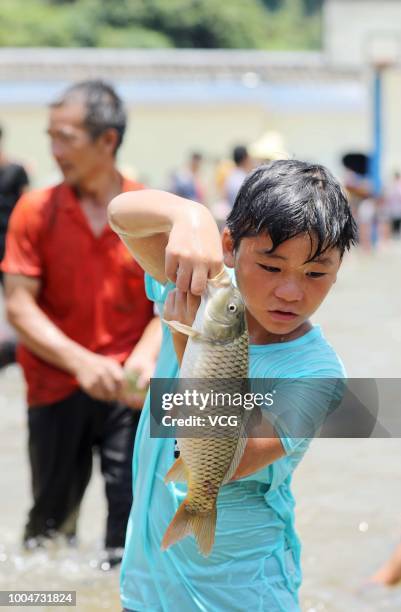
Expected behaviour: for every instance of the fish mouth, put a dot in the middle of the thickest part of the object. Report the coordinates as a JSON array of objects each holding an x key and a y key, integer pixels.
[
  {"x": 219, "y": 322},
  {"x": 228, "y": 331}
]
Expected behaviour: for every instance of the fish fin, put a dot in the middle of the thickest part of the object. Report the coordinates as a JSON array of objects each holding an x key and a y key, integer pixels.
[
  {"x": 221, "y": 279},
  {"x": 203, "y": 526},
  {"x": 239, "y": 451},
  {"x": 182, "y": 328},
  {"x": 179, "y": 527},
  {"x": 177, "y": 472}
]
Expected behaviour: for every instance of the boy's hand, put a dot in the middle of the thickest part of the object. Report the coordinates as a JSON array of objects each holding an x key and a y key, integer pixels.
[
  {"x": 194, "y": 252},
  {"x": 172, "y": 238},
  {"x": 258, "y": 453},
  {"x": 182, "y": 307}
]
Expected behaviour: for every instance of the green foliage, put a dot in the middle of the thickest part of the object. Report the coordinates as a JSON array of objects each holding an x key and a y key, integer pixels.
[
  {"x": 231, "y": 24},
  {"x": 209, "y": 23},
  {"x": 135, "y": 37},
  {"x": 290, "y": 29},
  {"x": 19, "y": 22},
  {"x": 273, "y": 5},
  {"x": 311, "y": 7}
]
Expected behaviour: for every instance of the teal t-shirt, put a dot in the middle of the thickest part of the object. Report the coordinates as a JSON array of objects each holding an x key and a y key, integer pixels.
[{"x": 255, "y": 562}]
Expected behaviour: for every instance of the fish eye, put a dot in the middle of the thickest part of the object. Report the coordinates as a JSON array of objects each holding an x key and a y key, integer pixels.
[{"x": 232, "y": 308}]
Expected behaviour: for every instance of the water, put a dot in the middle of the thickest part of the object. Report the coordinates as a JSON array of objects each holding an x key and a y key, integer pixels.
[
  {"x": 58, "y": 567},
  {"x": 347, "y": 491}
]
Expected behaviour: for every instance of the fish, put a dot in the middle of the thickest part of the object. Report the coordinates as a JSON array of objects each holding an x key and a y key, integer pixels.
[
  {"x": 217, "y": 350},
  {"x": 131, "y": 380}
]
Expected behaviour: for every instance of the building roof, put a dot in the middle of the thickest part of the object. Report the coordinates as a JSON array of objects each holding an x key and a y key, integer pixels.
[
  {"x": 49, "y": 63},
  {"x": 275, "y": 80}
]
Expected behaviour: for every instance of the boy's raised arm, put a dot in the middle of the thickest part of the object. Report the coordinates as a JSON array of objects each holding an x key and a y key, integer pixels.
[{"x": 172, "y": 238}]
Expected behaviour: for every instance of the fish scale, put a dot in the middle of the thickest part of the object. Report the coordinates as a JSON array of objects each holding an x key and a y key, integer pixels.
[{"x": 216, "y": 352}]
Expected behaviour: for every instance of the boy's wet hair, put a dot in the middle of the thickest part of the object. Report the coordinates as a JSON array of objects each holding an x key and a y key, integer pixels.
[
  {"x": 104, "y": 108},
  {"x": 287, "y": 198}
]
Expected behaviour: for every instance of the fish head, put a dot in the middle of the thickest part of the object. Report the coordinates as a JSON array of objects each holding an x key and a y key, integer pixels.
[{"x": 224, "y": 313}]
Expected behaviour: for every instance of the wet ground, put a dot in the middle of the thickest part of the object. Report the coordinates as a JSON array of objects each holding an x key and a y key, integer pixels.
[{"x": 348, "y": 492}]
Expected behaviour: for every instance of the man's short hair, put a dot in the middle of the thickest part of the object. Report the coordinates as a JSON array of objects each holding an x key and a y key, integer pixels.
[
  {"x": 104, "y": 108},
  {"x": 196, "y": 156},
  {"x": 287, "y": 198},
  {"x": 240, "y": 154}
]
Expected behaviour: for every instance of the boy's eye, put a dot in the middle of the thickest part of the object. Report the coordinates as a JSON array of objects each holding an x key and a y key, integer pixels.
[
  {"x": 269, "y": 268},
  {"x": 315, "y": 274}
]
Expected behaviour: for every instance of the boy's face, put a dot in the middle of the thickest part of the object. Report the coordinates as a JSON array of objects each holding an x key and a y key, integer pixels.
[{"x": 280, "y": 290}]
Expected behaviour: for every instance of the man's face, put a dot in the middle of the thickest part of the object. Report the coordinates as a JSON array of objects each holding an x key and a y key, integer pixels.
[
  {"x": 77, "y": 155},
  {"x": 195, "y": 164},
  {"x": 281, "y": 291}
]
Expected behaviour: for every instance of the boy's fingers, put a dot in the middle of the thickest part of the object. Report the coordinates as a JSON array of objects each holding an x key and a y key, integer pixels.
[
  {"x": 193, "y": 302},
  {"x": 171, "y": 267},
  {"x": 169, "y": 301},
  {"x": 169, "y": 305},
  {"x": 199, "y": 280},
  {"x": 184, "y": 274},
  {"x": 180, "y": 305}
]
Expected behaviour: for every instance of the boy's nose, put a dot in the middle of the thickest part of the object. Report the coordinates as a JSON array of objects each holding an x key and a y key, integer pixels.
[{"x": 289, "y": 291}]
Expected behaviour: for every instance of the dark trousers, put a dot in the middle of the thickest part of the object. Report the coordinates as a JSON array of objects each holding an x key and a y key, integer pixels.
[
  {"x": 62, "y": 437},
  {"x": 7, "y": 347},
  {"x": 396, "y": 225}
]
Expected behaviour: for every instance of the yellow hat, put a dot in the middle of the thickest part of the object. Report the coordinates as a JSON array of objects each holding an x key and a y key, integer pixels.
[{"x": 269, "y": 147}]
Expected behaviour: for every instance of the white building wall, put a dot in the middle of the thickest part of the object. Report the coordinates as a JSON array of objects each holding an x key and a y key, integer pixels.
[
  {"x": 354, "y": 28},
  {"x": 391, "y": 122},
  {"x": 159, "y": 138}
]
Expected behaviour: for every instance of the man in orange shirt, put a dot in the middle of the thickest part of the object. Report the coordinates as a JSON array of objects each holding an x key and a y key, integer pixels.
[{"x": 77, "y": 302}]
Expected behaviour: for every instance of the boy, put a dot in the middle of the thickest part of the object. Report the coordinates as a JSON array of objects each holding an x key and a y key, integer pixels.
[{"x": 285, "y": 239}]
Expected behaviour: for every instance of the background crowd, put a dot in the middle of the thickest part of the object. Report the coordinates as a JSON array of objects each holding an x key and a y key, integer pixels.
[{"x": 197, "y": 124}]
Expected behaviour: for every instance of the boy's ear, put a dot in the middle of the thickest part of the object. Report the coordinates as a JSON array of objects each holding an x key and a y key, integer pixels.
[{"x": 228, "y": 248}]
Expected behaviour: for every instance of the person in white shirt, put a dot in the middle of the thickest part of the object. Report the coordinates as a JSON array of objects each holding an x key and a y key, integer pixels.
[{"x": 243, "y": 165}]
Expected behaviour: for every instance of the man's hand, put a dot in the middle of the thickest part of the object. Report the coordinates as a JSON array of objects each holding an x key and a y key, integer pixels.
[
  {"x": 141, "y": 364},
  {"x": 100, "y": 377},
  {"x": 138, "y": 370}
]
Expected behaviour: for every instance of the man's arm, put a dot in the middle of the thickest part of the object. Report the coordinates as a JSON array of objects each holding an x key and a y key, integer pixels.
[
  {"x": 171, "y": 238},
  {"x": 101, "y": 377},
  {"x": 23, "y": 181},
  {"x": 142, "y": 362}
]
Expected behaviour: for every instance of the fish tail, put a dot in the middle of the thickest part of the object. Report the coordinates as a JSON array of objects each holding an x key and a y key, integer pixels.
[{"x": 203, "y": 526}]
